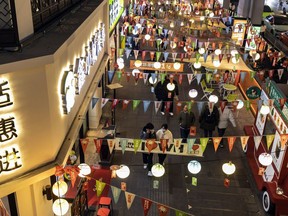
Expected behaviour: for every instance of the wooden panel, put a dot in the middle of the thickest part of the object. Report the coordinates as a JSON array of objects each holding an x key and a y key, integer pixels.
[{"x": 147, "y": 65}]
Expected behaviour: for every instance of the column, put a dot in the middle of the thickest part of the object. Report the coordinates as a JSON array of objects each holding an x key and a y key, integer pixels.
[{"x": 252, "y": 9}]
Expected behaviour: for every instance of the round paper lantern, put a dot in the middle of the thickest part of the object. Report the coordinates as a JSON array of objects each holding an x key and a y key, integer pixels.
[
  {"x": 134, "y": 71},
  {"x": 173, "y": 45},
  {"x": 218, "y": 52},
  {"x": 240, "y": 104},
  {"x": 234, "y": 52},
  {"x": 147, "y": 37},
  {"x": 228, "y": 168},
  {"x": 172, "y": 24},
  {"x": 138, "y": 63},
  {"x": 216, "y": 63},
  {"x": 120, "y": 61},
  {"x": 197, "y": 65},
  {"x": 84, "y": 170},
  {"x": 193, "y": 93},
  {"x": 121, "y": 66},
  {"x": 194, "y": 167},
  {"x": 60, "y": 207},
  {"x": 60, "y": 188},
  {"x": 157, "y": 65},
  {"x": 176, "y": 65},
  {"x": 157, "y": 170},
  {"x": 202, "y": 18},
  {"x": 265, "y": 159},
  {"x": 170, "y": 86},
  {"x": 123, "y": 172},
  {"x": 213, "y": 98},
  {"x": 264, "y": 110},
  {"x": 201, "y": 51},
  {"x": 151, "y": 81},
  {"x": 234, "y": 60},
  {"x": 211, "y": 14}
]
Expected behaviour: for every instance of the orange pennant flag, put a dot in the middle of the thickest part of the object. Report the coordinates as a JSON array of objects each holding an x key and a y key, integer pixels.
[
  {"x": 125, "y": 104},
  {"x": 178, "y": 107},
  {"x": 84, "y": 144},
  {"x": 231, "y": 141},
  {"x": 98, "y": 144},
  {"x": 244, "y": 141},
  {"x": 151, "y": 144},
  {"x": 226, "y": 182},
  {"x": 164, "y": 144},
  {"x": 284, "y": 138},
  {"x": 216, "y": 142}
]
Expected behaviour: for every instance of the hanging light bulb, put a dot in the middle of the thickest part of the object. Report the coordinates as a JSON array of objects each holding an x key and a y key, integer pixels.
[
  {"x": 173, "y": 45},
  {"x": 193, "y": 93},
  {"x": 201, "y": 51},
  {"x": 192, "y": 20},
  {"x": 60, "y": 188},
  {"x": 134, "y": 71},
  {"x": 265, "y": 159},
  {"x": 138, "y": 63},
  {"x": 121, "y": 66},
  {"x": 60, "y": 207},
  {"x": 202, "y": 18},
  {"x": 182, "y": 23},
  {"x": 218, "y": 52},
  {"x": 194, "y": 167},
  {"x": 228, "y": 168},
  {"x": 197, "y": 65},
  {"x": 147, "y": 37},
  {"x": 216, "y": 63},
  {"x": 157, "y": 65},
  {"x": 240, "y": 104},
  {"x": 123, "y": 171},
  {"x": 235, "y": 60},
  {"x": 213, "y": 98},
  {"x": 172, "y": 25},
  {"x": 170, "y": 86},
  {"x": 157, "y": 170},
  {"x": 84, "y": 170},
  {"x": 234, "y": 52},
  {"x": 176, "y": 65},
  {"x": 264, "y": 110},
  {"x": 135, "y": 31},
  {"x": 211, "y": 14}
]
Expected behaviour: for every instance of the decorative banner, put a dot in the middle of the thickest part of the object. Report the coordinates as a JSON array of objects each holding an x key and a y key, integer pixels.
[
  {"x": 257, "y": 140},
  {"x": 162, "y": 210},
  {"x": 136, "y": 52},
  {"x": 98, "y": 144},
  {"x": 203, "y": 143},
  {"x": 127, "y": 52},
  {"x": 216, "y": 142},
  {"x": 252, "y": 74},
  {"x": 143, "y": 55},
  {"x": 283, "y": 140},
  {"x": 200, "y": 105},
  {"x": 158, "y": 54},
  {"x": 145, "y": 77},
  {"x": 119, "y": 75},
  {"x": 228, "y": 57},
  {"x": 157, "y": 105},
  {"x": 163, "y": 144},
  {"x": 104, "y": 101},
  {"x": 178, "y": 107},
  {"x": 180, "y": 213},
  {"x": 146, "y": 205},
  {"x": 114, "y": 103},
  {"x": 110, "y": 76},
  {"x": 190, "y": 143},
  {"x": 269, "y": 140},
  {"x": 174, "y": 56},
  {"x": 190, "y": 77},
  {"x": 152, "y": 54},
  {"x": 125, "y": 104},
  {"x": 194, "y": 181},
  {"x": 198, "y": 77},
  {"x": 146, "y": 105},
  {"x": 84, "y": 144},
  {"x": 137, "y": 143},
  {"x": 226, "y": 182},
  {"x": 128, "y": 76},
  {"x": 135, "y": 104},
  {"x": 129, "y": 199},
  {"x": 244, "y": 141},
  {"x": 166, "y": 54},
  {"x": 99, "y": 187},
  {"x": 192, "y": 131},
  {"x": 205, "y": 55},
  {"x": 116, "y": 193},
  {"x": 111, "y": 144},
  {"x": 231, "y": 141},
  {"x": 151, "y": 144},
  {"x": 208, "y": 77},
  {"x": 123, "y": 143}
]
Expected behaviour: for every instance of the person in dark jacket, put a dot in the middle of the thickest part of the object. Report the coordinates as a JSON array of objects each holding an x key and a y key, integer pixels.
[
  {"x": 186, "y": 120},
  {"x": 209, "y": 120},
  {"x": 161, "y": 94},
  {"x": 148, "y": 132},
  {"x": 171, "y": 94}
]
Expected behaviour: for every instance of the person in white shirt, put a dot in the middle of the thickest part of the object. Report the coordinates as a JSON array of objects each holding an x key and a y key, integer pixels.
[
  {"x": 225, "y": 116},
  {"x": 164, "y": 133}
]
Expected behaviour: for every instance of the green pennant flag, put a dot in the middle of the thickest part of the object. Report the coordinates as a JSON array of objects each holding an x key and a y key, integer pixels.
[
  {"x": 190, "y": 143},
  {"x": 180, "y": 213},
  {"x": 130, "y": 29},
  {"x": 123, "y": 41},
  {"x": 162, "y": 77},
  {"x": 135, "y": 104},
  {"x": 252, "y": 74},
  {"x": 194, "y": 181},
  {"x": 159, "y": 31},
  {"x": 197, "y": 56},
  {"x": 99, "y": 187},
  {"x": 193, "y": 45},
  {"x": 189, "y": 105},
  {"x": 120, "y": 51},
  {"x": 119, "y": 75},
  {"x": 158, "y": 54},
  {"x": 137, "y": 143},
  {"x": 247, "y": 104},
  {"x": 269, "y": 139},
  {"x": 208, "y": 77},
  {"x": 203, "y": 143}
]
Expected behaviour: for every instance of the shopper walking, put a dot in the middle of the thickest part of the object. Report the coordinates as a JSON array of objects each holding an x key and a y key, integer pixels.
[
  {"x": 209, "y": 120},
  {"x": 148, "y": 133},
  {"x": 224, "y": 117},
  {"x": 164, "y": 133},
  {"x": 186, "y": 120},
  {"x": 172, "y": 92},
  {"x": 161, "y": 94}
]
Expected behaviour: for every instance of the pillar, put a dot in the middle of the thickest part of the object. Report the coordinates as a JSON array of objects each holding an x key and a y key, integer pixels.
[{"x": 252, "y": 9}]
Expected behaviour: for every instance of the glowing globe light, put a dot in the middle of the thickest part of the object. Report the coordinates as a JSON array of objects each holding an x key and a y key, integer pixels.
[
  {"x": 138, "y": 63},
  {"x": 121, "y": 66},
  {"x": 135, "y": 31},
  {"x": 240, "y": 104},
  {"x": 84, "y": 170},
  {"x": 176, "y": 65},
  {"x": 202, "y": 18},
  {"x": 147, "y": 37},
  {"x": 234, "y": 52},
  {"x": 197, "y": 12},
  {"x": 157, "y": 170},
  {"x": 123, "y": 171},
  {"x": 60, "y": 188},
  {"x": 234, "y": 60},
  {"x": 211, "y": 14},
  {"x": 173, "y": 45},
  {"x": 120, "y": 61},
  {"x": 228, "y": 168},
  {"x": 134, "y": 71},
  {"x": 257, "y": 56},
  {"x": 182, "y": 24},
  {"x": 197, "y": 65},
  {"x": 170, "y": 86},
  {"x": 264, "y": 110},
  {"x": 193, "y": 93},
  {"x": 151, "y": 81},
  {"x": 192, "y": 20},
  {"x": 157, "y": 65},
  {"x": 218, "y": 52},
  {"x": 265, "y": 159},
  {"x": 216, "y": 63},
  {"x": 213, "y": 98},
  {"x": 60, "y": 207},
  {"x": 172, "y": 25},
  {"x": 201, "y": 51},
  {"x": 194, "y": 167}
]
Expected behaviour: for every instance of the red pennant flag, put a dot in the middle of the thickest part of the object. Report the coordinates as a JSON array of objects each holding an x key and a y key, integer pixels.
[
  {"x": 182, "y": 57},
  {"x": 162, "y": 210},
  {"x": 59, "y": 171},
  {"x": 164, "y": 144},
  {"x": 84, "y": 144},
  {"x": 146, "y": 205},
  {"x": 180, "y": 78},
  {"x": 282, "y": 102},
  {"x": 128, "y": 76},
  {"x": 192, "y": 131},
  {"x": 115, "y": 102},
  {"x": 226, "y": 182},
  {"x": 152, "y": 54},
  {"x": 228, "y": 57},
  {"x": 151, "y": 144},
  {"x": 143, "y": 55},
  {"x": 178, "y": 107},
  {"x": 98, "y": 144},
  {"x": 136, "y": 77},
  {"x": 271, "y": 73},
  {"x": 231, "y": 141},
  {"x": 168, "y": 104},
  {"x": 125, "y": 104},
  {"x": 223, "y": 105},
  {"x": 220, "y": 57}
]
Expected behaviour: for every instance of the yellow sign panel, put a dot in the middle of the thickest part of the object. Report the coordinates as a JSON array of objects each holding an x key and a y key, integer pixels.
[{"x": 238, "y": 32}]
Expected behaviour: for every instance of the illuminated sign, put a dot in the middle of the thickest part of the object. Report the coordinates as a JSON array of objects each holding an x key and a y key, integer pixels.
[
  {"x": 74, "y": 79},
  {"x": 238, "y": 33},
  {"x": 116, "y": 8},
  {"x": 253, "y": 32},
  {"x": 9, "y": 157}
]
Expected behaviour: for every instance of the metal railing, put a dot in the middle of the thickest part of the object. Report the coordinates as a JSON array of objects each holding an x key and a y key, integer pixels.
[{"x": 276, "y": 42}]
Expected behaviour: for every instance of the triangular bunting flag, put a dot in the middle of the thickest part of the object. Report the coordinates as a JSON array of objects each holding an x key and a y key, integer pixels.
[
  {"x": 116, "y": 193},
  {"x": 127, "y": 52},
  {"x": 146, "y": 105},
  {"x": 129, "y": 199},
  {"x": 111, "y": 144},
  {"x": 242, "y": 76},
  {"x": 104, "y": 101},
  {"x": 203, "y": 143},
  {"x": 166, "y": 54},
  {"x": 136, "y": 52},
  {"x": 180, "y": 213},
  {"x": 162, "y": 210},
  {"x": 244, "y": 141},
  {"x": 114, "y": 103},
  {"x": 157, "y": 105},
  {"x": 216, "y": 142},
  {"x": 283, "y": 140},
  {"x": 211, "y": 106},
  {"x": 200, "y": 105},
  {"x": 125, "y": 104},
  {"x": 145, "y": 77},
  {"x": 150, "y": 144},
  {"x": 190, "y": 77},
  {"x": 94, "y": 101},
  {"x": 198, "y": 77},
  {"x": 194, "y": 181},
  {"x": 257, "y": 140},
  {"x": 231, "y": 141},
  {"x": 84, "y": 144},
  {"x": 99, "y": 187},
  {"x": 135, "y": 104},
  {"x": 146, "y": 205},
  {"x": 190, "y": 143},
  {"x": 98, "y": 144},
  {"x": 123, "y": 143},
  {"x": 110, "y": 76},
  {"x": 269, "y": 140},
  {"x": 178, "y": 107},
  {"x": 163, "y": 144}
]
